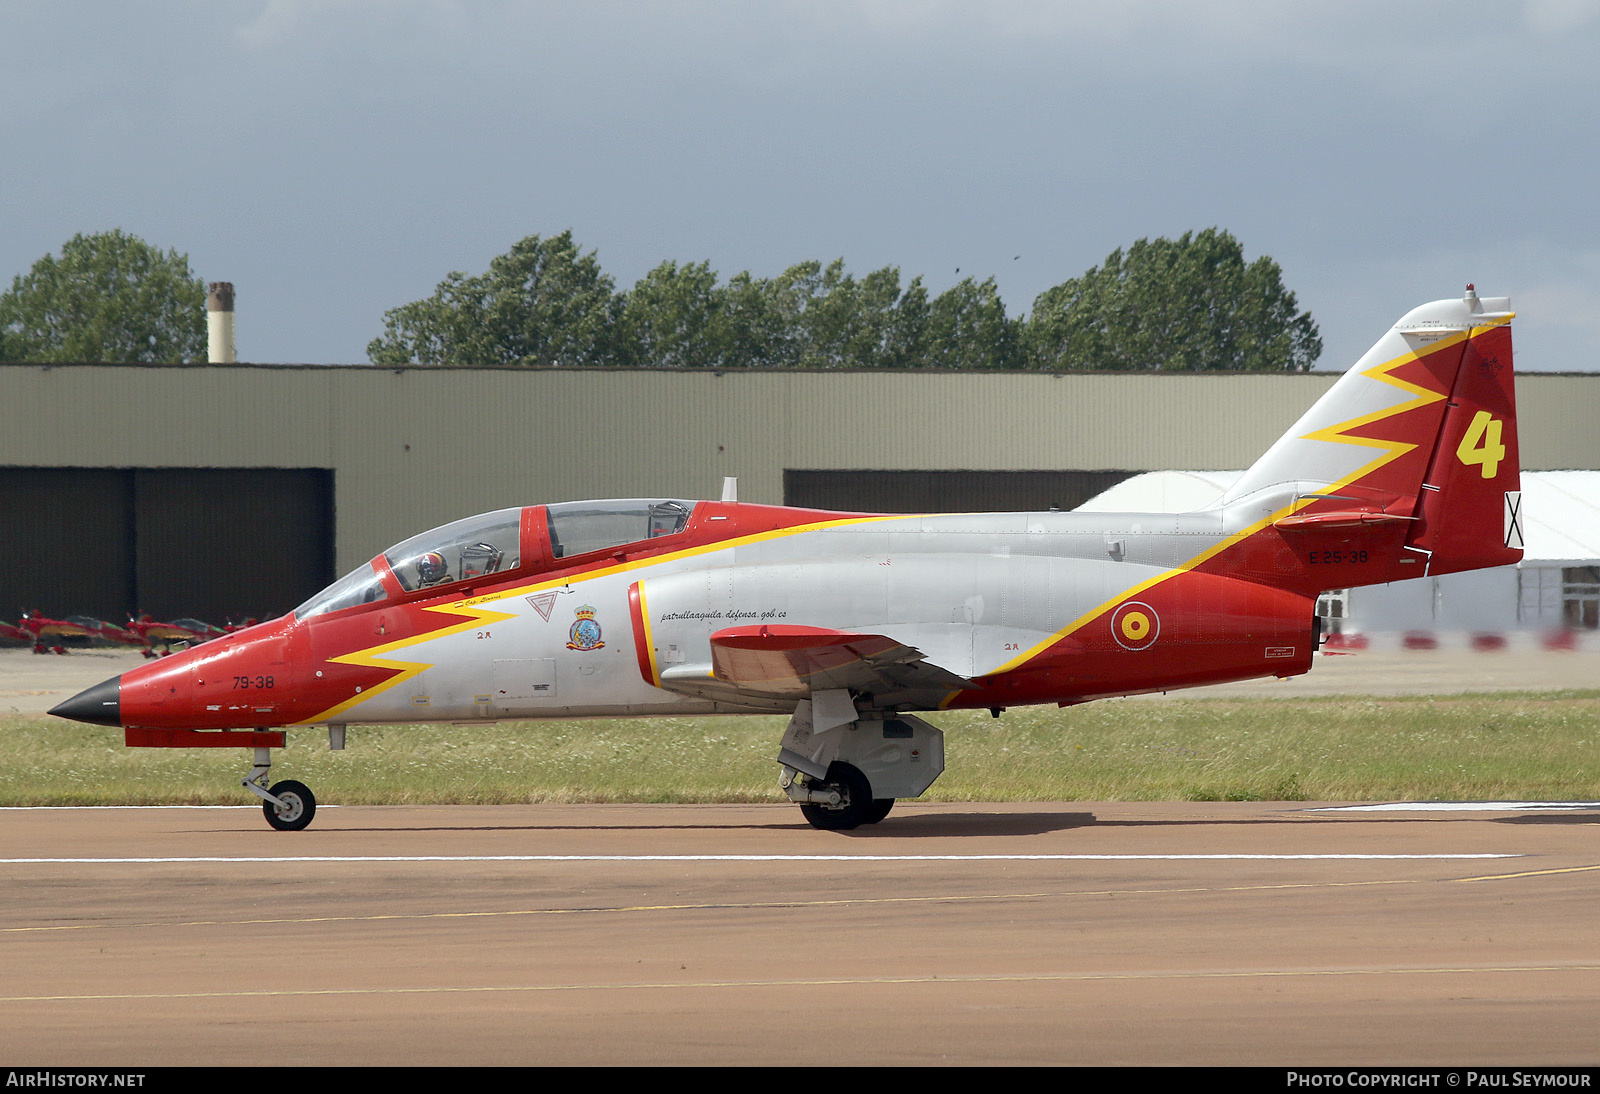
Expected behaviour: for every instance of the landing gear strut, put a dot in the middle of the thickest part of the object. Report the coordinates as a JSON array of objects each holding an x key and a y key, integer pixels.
[{"x": 288, "y": 806}]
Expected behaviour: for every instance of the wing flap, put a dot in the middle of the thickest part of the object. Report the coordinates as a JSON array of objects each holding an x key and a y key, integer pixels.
[{"x": 796, "y": 661}]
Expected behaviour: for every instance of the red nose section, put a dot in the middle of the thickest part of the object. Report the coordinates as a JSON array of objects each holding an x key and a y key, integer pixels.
[
  {"x": 242, "y": 681},
  {"x": 158, "y": 693}
]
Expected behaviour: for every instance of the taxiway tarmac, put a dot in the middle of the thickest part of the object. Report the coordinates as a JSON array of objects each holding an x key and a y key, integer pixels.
[{"x": 1127, "y": 933}]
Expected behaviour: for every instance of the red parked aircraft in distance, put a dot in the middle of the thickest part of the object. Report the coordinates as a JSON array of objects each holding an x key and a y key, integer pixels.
[
  {"x": 46, "y": 633},
  {"x": 849, "y": 622},
  {"x": 179, "y": 632}
]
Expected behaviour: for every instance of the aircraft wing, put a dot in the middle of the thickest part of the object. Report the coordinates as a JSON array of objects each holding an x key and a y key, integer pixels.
[
  {"x": 789, "y": 663},
  {"x": 62, "y": 629},
  {"x": 168, "y": 631}
]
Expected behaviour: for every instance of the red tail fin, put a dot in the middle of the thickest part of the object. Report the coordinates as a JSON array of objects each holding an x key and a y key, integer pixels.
[{"x": 1472, "y": 492}]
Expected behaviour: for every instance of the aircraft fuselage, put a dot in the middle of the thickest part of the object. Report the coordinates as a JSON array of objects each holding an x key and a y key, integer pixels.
[{"x": 1023, "y": 605}]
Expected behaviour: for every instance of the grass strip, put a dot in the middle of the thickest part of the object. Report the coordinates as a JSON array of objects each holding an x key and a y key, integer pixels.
[{"x": 1533, "y": 745}]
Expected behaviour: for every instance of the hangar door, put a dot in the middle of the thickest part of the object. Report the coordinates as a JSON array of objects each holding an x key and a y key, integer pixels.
[
  {"x": 945, "y": 491},
  {"x": 207, "y": 543}
]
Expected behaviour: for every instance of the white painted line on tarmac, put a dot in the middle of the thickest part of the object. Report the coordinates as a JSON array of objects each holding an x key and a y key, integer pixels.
[
  {"x": 1454, "y": 807},
  {"x": 257, "y": 859},
  {"x": 83, "y": 808}
]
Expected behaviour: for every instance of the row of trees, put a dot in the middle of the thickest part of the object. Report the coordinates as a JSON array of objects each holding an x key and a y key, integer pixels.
[
  {"x": 1192, "y": 303},
  {"x": 1187, "y": 304},
  {"x": 545, "y": 302}
]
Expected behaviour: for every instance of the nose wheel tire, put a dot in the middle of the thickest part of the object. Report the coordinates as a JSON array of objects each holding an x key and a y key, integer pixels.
[
  {"x": 297, "y": 809},
  {"x": 855, "y": 800},
  {"x": 877, "y": 810}
]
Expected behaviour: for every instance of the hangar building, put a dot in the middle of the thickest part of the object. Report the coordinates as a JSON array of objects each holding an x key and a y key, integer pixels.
[{"x": 225, "y": 491}]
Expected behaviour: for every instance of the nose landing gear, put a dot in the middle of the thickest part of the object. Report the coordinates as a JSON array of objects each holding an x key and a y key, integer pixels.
[
  {"x": 294, "y": 809},
  {"x": 288, "y": 806}
]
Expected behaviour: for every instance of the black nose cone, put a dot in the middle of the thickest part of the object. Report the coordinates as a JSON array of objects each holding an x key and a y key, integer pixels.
[{"x": 100, "y": 705}]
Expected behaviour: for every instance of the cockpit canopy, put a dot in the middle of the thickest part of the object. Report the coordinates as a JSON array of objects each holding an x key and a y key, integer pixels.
[
  {"x": 578, "y": 527},
  {"x": 362, "y": 585},
  {"x": 493, "y": 543},
  {"x": 475, "y": 547}
]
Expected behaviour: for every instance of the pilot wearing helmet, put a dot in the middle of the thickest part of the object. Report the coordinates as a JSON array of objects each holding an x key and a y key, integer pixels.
[{"x": 431, "y": 570}]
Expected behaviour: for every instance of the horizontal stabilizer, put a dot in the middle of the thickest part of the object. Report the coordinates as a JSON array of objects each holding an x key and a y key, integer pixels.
[{"x": 1351, "y": 518}]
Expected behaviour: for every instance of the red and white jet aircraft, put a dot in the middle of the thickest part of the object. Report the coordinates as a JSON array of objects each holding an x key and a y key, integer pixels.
[{"x": 847, "y": 622}]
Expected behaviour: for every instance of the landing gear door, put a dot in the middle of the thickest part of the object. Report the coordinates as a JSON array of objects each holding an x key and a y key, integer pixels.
[
  {"x": 803, "y": 748},
  {"x": 900, "y": 755}
]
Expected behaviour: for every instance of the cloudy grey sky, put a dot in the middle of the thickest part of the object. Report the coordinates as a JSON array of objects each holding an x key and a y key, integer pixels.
[{"x": 335, "y": 158}]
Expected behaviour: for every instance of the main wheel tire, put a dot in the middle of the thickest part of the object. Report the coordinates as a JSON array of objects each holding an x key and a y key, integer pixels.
[
  {"x": 878, "y": 810},
  {"x": 297, "y": 809},
  {"x": 855, "y": 799}
]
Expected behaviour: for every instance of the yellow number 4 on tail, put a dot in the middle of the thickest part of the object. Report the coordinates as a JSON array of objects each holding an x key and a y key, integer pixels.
[{"x": 1482, "y": 444}]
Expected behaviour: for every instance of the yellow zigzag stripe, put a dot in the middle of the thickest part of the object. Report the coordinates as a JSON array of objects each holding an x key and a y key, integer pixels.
[
  {"x": 1339, "y": 435},
  {"x": 1336, "y": 434},
  {"x": 372, "y": 657},
  {"x": 1392, "y": 450}
]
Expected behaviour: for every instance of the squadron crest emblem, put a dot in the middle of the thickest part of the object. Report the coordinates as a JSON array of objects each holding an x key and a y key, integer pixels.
[{"x": 585, "y": 632}]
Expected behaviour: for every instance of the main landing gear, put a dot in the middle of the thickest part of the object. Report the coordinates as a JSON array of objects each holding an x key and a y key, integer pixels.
[
  {"x": 288, "y": 806},
  {"x": 843, "y": 800},
  {"x": 850, "y": 772}
]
